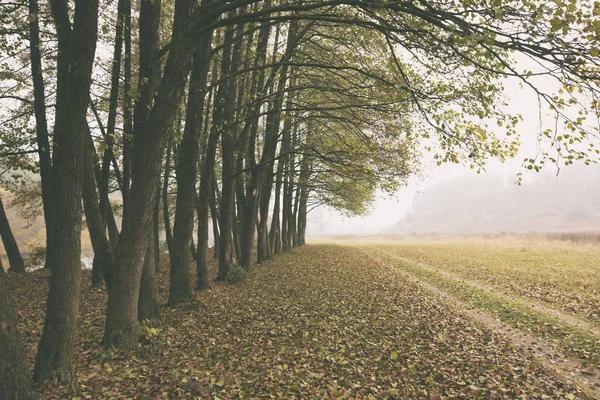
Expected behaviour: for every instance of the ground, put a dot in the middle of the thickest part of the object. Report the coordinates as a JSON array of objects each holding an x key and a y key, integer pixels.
[{"x": 432, "y": 321}]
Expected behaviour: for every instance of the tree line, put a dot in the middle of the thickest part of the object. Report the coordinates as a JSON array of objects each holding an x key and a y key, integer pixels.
[{"x": 239, "y": 117}]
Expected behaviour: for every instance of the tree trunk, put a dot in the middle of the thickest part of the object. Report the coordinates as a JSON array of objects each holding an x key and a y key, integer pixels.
[
  {"x": 180, "y": 255},
  {"x": 270, "y": 147},
  {"x": 103, "y": 256},
  {"x": 165, "y": 198},
  {"x": 14, "y": 373},
  {"x": 10, "y": 244},
  {"x": 275, "y": 231},
  {"x": 41, "y": 124},
  {"x": 112, "y": 112},
  {"x": 76, "y": 48},
  {"x": 148, "y": 306},
  {"x": 156, "y": 236},
  {"x": 207, "y": 187},
  {"x": 228, "y": 139},
  {"x": 215, "y": 216},
  {"x": 127, "y": 107},
  {"x": 148, "y": 147}
]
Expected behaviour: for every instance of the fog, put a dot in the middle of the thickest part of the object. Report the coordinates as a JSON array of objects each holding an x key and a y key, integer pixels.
[{"x": 404, "y": 212}]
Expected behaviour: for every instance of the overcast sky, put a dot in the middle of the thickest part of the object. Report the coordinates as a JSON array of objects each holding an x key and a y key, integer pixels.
[{"x": 389, "y": 210}]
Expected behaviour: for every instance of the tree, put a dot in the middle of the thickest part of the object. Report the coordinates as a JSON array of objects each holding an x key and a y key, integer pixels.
[
  {"x": 10, "y": 244},
  {"x": 148, "y": 146},
  {"x": 15, "y": 382},
  {"x": 76, "y": 49}
]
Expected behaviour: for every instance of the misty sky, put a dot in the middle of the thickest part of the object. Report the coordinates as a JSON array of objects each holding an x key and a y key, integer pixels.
[{"x": 389, "y": 210}]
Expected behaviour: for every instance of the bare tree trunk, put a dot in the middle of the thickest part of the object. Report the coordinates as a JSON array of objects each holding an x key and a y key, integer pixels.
[
  {"x": 180, "y": 255},
  {"x": 14, "y": 373},
  {"x": 157, "y": 236},
  {"x": 215, "y": 216},
  {"x": 41, "y": 123},
  {"x": 248, "y": 199},
  {"x": 148, "y": 307},
  {"x": 165, "y": 198},
  {"x": 10, "y": 244},
  {"x": 127, "y": 107},
  {"x": 228, "y": 139},
  {"x": 103, "y": 256},
  {"x": 270, "y": 146},
  {"x": 148, "y": 147},
  {"x": 112, "y": 112},
  {"x": 76, "y": 47},
  {"x": 207, "y": 187}
]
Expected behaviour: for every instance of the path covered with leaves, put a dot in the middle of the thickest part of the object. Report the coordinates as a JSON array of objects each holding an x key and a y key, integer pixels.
[{"x": 321, "y": 322}]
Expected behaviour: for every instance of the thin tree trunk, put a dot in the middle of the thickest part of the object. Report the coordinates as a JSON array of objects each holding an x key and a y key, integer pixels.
[
  {"x": 14, "y": 373},
  {"x": 270, "y": 146},
  {"x": 41, "y": 124},
  {"x": 228, "y": 156},
  {"x": 103, "y": 256},
  {"x": 148, "y": 306},
  {"x": 215, "y": 216},
  {"x": 127, "y": 113},
  {"x": 180, "y": 255},
  {"x": 10, "y": 244},
  {"x": 148, "y": 147},
  {"x": 248, "y": 200},
  {"x": 165, "y": 198},
  {"x": 157, "y": 236},
  {"x": 275, "y": 232},
  {"x": 112, "y": 111},
  {"x": 207, "y": 173},
  {"x": 76, "y": 47}
]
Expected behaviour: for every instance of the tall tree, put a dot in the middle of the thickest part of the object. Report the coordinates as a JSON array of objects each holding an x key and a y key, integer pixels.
[
  {"x": 180, "y": 255},
  {"x": 76, "y": 49},
  {"x": 148, "y": 147},
  {"x": 41, "y": 124}
]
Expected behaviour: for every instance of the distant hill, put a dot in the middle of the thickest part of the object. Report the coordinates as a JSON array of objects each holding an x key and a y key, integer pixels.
[{"x": 488, "y": 204}]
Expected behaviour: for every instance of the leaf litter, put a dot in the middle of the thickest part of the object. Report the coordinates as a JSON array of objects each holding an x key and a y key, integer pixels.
[{"x": 320, "y": 322}]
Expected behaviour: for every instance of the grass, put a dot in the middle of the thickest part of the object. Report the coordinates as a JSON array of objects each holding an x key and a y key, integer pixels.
[
  {"x": 321, "y": 322},
  {"x": 567, "y": 278},
  {"x": 572, "y": 340}
]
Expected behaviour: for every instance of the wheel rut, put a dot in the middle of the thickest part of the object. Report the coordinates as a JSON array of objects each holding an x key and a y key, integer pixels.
[
  {"x": 566, "y": 318},
  {"x": 567, "y": 368}
]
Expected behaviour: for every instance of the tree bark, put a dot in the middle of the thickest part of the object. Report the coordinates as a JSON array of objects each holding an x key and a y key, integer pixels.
[
  {"x": 103, "y": 256},
  {"x": 148, "y": 306},
  {"x": 10, "y": 244},
  {"x": 270, "y": 147},
  {"x": 157, "y": 236},
  {"x": 112, "y": 111},
  {"x": 148, "y": 147},
  {"x": 228, "y": 138},
  {"x": 41, "y": 124},
  {"x": 248, "y": 199},
  {"x": 180, "y": 254},
  {"x": 165, "y": 198},
  {"x": 207, "y": 173},
  {"x": 14, "y": 373},
  {"x": 276, "y": 226},
  {"x": 76, "y": 49},
  {"x": 127, "y": 107}
]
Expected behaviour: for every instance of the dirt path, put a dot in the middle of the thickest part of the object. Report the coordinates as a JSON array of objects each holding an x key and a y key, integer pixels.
[
  {"x": 567, "y": 368},
  {"x": 566, "y": 318}
]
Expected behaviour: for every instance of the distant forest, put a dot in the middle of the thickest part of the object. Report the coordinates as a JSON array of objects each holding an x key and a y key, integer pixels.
[{"x": 490, "y": 204}]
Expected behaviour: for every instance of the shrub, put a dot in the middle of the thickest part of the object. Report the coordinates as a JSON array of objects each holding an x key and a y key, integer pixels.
[{"x": 236, "y": 274}]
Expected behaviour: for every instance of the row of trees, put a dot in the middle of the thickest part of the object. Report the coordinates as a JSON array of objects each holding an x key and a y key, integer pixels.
[{"x": 248, "y": 114}]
